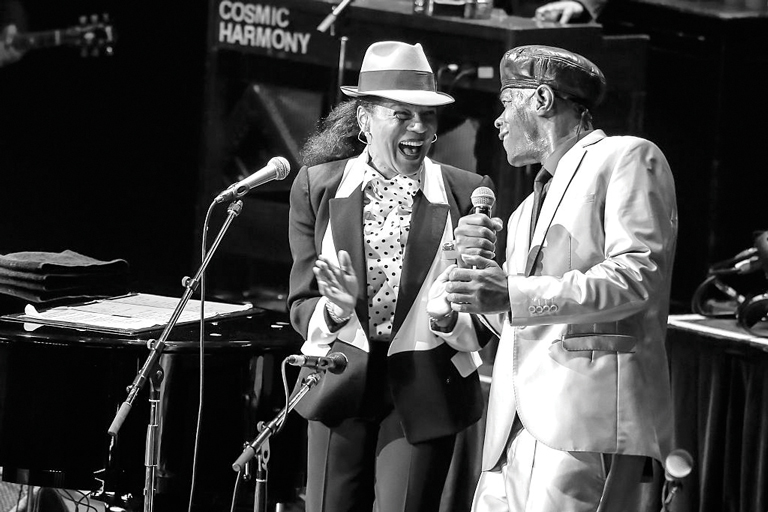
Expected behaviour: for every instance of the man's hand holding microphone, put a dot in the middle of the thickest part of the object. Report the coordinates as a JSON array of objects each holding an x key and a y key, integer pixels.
[{"x": 476, "y": 284}]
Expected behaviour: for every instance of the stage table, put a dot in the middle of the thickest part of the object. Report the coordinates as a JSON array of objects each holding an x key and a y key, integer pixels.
[{"x": 720, "y": 386}]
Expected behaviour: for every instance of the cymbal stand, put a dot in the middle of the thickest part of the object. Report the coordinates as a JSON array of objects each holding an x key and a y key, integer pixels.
[
  {"x": 152, "y": 370},
  {"x": 259, "y": 447}
]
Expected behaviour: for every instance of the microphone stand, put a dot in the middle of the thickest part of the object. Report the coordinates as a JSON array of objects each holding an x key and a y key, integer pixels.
[
  {"x": 153, "y": 371},
  {"x": 259, "y": 447},
  {"x": 329, "y": 22},
  {"x": 669, "y": 489},
  {"x": 331, "y": 18}
]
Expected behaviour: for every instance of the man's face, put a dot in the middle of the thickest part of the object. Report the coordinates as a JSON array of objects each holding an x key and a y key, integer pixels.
[{"x": 518, "y": 128}]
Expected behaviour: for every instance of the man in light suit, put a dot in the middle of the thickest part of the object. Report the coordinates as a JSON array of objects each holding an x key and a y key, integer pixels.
[{"x": 580, "y": 399}]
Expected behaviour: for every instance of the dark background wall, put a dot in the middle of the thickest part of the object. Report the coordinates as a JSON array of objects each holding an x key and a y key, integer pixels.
[{"x": 100, "y": 155}]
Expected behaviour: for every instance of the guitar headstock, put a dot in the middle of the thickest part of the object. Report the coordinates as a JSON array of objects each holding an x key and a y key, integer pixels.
[{"x": 95, "y": 35}]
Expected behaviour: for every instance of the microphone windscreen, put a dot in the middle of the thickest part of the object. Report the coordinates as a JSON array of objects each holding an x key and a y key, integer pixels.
[
  {"x": 678, "y": 464},
  {"x": 483, "y": 197},
  {"x": 282, "y": 167}
]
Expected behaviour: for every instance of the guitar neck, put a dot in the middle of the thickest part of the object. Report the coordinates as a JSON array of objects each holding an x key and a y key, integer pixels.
[
  {"x": 94, "y": 36},
  {"x": 47, "y": 39}
]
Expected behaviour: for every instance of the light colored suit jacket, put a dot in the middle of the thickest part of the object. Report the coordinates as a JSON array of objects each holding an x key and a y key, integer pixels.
[
  {"x": 432, "y": 375},
  {"x": 582, "y": 358}
]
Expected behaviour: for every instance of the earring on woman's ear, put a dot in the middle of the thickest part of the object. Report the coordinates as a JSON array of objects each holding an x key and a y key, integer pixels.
[
  {"x": 434, "y": 139},
  {"x": 361, "y": 138}
]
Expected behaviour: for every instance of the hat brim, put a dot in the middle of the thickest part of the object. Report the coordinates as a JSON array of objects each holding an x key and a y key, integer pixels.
[{"x": 421, "y": 98}]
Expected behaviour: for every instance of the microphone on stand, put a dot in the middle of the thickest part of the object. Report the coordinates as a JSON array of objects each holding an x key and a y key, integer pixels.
[
  {"x": 677, "y": 466},
  {"x": 328, "y": 21},
  {"x": 335, "y": 362},
  {"x": 276, "y": 169}
]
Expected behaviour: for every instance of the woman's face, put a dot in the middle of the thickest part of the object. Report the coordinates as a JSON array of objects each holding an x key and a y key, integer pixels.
[{"x": 399, "y": 136}]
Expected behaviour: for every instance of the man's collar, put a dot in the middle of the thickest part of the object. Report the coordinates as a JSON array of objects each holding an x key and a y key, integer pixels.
[{"x": 551, "y": 162}]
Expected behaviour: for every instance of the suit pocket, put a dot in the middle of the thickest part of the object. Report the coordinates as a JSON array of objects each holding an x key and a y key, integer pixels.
[{"x": 599, "y": 342}]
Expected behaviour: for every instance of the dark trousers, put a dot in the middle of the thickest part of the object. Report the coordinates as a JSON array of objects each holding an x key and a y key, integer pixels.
[{"x": 360, "y": 462}]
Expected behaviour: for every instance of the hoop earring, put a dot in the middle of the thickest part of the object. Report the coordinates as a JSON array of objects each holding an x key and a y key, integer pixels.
[
  {"x": 362, "y": 139},
  {"x": 434, "y": 139}
]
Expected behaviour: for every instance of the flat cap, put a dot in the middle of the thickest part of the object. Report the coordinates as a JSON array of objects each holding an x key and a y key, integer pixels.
[{"x": 570, "y": 74}]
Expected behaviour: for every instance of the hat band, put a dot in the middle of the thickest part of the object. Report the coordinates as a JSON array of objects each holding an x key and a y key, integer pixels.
[
  {"x": 397, "y": 79},
  {"x": 531, "y": 83},
  {"x": 519, "y": 83}
]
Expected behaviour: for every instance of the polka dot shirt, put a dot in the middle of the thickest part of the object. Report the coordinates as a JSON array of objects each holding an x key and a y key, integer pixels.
[{"x": 388, "y": 205}]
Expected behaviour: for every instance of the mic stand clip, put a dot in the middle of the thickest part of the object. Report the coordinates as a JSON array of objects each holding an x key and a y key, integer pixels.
[{"x": 669, "y": 490}]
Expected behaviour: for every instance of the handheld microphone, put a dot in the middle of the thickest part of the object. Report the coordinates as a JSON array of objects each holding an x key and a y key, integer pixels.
[
  {"x": 276, "y": 169},
  {"x": 335, "y": 362},
  {"x": 482, "y": 200}
]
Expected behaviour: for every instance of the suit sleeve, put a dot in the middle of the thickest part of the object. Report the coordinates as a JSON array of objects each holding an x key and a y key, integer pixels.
[
  {"x": 639, "y": 235},
  {"x": 304, "y": 294}
]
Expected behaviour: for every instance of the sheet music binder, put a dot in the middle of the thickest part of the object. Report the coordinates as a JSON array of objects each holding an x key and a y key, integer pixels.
[{"x": 129, "y": 314}]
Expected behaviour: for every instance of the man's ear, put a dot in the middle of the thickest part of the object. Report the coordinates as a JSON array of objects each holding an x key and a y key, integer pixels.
[{"x": 544, "y": 98}]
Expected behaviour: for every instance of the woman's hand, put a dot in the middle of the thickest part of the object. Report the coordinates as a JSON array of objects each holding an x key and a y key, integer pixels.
[
  {"x": 338, "y": 284},
  {"x": 437, "y": 304}
]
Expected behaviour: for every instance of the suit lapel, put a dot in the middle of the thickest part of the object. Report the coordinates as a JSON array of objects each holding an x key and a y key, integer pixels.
[
  {"x": 427, "y": 227},
  {"x": 566, "y": 169},
  {"x": 346, "y": 220}
]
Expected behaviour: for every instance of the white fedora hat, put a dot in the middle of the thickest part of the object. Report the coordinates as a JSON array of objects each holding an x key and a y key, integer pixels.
[{"x": 398, "y": 71}]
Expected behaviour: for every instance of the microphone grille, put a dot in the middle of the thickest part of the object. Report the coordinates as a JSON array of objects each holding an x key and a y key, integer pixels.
[
  {"x": 678, "y": 463},
  {"x": 282, "y": 167},
  {"x": 483, "y": 196},
  {"x": 340, "y": 362}
]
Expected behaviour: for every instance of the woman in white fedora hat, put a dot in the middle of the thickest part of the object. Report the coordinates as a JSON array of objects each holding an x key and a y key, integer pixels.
[{"x": 369, "y": 216}]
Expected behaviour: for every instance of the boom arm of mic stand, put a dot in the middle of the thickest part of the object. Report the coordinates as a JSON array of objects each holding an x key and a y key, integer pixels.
[
  {"x": 157, "y": 348},
  {"x": 270, "y": 428},
  {"x": 328, "y": 21}
]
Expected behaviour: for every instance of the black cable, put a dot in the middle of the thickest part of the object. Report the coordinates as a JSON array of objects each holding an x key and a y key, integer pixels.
[{"x": 201, "y": 355}]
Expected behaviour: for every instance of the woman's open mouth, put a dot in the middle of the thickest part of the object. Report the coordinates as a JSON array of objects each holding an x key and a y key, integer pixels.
[{"x": 411, "y": 148}]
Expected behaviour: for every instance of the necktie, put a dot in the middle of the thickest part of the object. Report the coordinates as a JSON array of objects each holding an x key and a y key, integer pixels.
[
  {"x": 386, "y": 226},
  {"x": 539, "y": 192}
]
